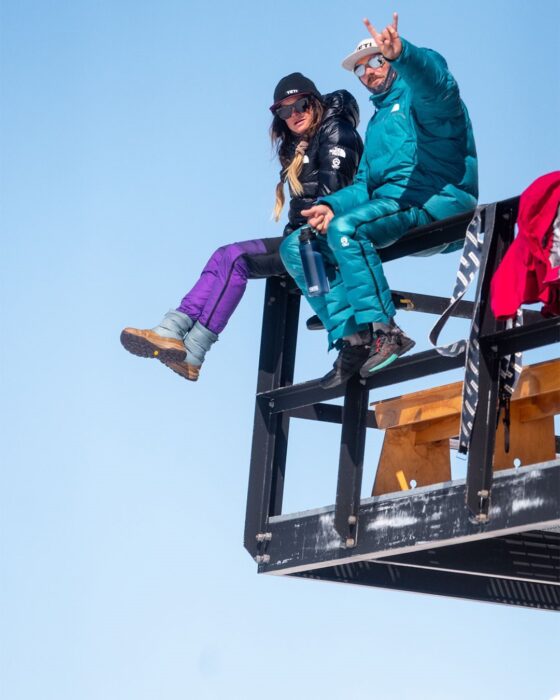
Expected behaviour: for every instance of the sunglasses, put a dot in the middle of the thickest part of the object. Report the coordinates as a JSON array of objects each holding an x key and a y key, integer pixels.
[
  {"x": 286, "y": 111},
  {"x": 376, "y": 61}
]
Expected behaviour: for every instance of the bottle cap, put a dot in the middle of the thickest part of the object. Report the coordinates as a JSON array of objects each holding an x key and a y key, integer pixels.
[{"x": 306, "y": 233}]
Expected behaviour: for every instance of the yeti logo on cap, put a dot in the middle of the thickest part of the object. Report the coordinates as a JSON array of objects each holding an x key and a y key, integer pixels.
[{"x": 368, "y": 44}]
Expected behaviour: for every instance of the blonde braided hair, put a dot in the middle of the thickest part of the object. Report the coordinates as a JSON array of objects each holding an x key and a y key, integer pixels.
[{"x": 283, "y": 139}]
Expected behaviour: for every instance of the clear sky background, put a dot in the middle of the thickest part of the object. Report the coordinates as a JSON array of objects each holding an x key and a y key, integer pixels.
[{"x": 133, "y": 143}]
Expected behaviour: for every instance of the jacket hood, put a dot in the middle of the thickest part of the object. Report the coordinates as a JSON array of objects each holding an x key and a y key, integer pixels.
[{"x": 343, "y": 105}]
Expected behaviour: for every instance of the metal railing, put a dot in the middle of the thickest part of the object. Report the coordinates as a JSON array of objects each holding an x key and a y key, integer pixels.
[{"x": 278, "y": 399}]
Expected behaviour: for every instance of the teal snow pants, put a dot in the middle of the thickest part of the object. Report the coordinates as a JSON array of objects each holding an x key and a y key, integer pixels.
[{"x": 359, "y": 291}]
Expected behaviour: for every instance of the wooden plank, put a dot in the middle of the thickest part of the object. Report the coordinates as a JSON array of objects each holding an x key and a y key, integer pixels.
[
  {"x": 531, "y": 442},
  {"x": 402, "y": 460},
  {"x": 443, "y": 401},
  {"x": 538, "y": 379},
  {"x": 536, "y": 407},
  {"x": 419, "y": 406},
  {"x": 532, "y": 438},
  {"x": 438, "y": 429},
  {"x": 418, "y": 427}
]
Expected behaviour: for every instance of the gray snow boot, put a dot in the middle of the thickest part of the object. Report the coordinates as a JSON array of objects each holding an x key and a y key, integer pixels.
[
  {"x": 197, "y": 343},
  {"x": 164, "y": 342}
]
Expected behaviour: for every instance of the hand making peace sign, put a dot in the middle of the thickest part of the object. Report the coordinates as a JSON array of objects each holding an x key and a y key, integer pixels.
[{"x": 388, "y": 41}]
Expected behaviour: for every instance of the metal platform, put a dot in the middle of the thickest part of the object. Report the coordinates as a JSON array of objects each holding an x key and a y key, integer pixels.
[{"x": 493, "y": 538}]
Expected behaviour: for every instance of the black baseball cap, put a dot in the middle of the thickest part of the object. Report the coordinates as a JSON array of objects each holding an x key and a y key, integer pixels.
[{"x": 294, "y": 84}]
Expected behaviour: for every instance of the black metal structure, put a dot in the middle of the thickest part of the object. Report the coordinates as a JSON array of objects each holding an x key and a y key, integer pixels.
[{"x": 489, "y": 537}]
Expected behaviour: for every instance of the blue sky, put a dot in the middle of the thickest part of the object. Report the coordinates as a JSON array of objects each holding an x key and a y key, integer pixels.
[{"x": 133, "y": 142}]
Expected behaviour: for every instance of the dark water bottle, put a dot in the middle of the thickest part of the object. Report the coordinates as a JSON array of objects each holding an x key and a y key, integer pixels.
[{"x": 313, "y": 263}]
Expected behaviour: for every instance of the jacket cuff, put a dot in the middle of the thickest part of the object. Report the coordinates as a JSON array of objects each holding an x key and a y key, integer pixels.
[
  {"x": 326, "y": 203},
  {"x": 402, "y": 57}
]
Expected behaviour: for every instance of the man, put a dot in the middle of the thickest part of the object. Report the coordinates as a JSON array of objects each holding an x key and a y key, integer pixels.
[{"x": 419, "y": 165}]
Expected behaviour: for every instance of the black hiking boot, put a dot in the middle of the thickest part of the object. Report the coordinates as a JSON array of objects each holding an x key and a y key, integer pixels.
[
  {"x": 386, "y": 347},
  {"x": 348, "y": 362}
]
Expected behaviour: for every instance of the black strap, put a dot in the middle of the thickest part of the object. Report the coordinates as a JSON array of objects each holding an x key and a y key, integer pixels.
[
  {"x": 505, "y": 406},
  {"x": 475, "y": 253}
]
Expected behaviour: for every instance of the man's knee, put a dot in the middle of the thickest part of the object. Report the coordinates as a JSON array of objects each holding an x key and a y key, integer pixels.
[
  {"x": 380, "y": 223},
  {"x": 289, "y": 252},
  {"x": 340, "y": 233}
]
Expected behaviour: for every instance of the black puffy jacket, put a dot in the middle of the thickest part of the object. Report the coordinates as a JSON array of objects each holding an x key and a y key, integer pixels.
[{"x": 332, "y": 157}]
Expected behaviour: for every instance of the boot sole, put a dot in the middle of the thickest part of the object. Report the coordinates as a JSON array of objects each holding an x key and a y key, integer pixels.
[
  {"x": 183, "y": 369},
  {"x": 145, "y": 343},
  {"x": 332, "y": 382},
  {"x": 333, "y": 379},
  {"x": 366, "y": 372}
]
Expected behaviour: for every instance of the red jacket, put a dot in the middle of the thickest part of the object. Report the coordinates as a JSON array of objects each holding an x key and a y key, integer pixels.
[{"x": 525, "y": 275}]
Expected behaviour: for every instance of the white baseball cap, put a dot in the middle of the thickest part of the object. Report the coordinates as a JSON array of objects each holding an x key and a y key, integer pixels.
[{"x": 366, "y": 47}]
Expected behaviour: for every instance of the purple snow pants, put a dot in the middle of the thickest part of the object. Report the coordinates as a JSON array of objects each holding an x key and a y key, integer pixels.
[{"x": 222, "y": 283}]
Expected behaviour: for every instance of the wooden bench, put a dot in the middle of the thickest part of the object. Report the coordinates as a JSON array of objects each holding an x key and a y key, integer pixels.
[{"x": 418, "y": 428}]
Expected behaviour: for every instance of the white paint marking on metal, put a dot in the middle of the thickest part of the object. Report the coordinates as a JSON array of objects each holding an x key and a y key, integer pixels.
[
  {"x": 398, "y": 521},
  {"x": 328, "y": 537},
  {"x": 526, "y": 504}
]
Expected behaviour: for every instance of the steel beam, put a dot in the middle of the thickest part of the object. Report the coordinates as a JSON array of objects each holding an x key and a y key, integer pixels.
[
  {"x": 412, "y": 521},
  {"x": 351, "y": 461},
  {"x": 489, "y": 589},
  {"x": 270, "y": 431},
  {"x": 527, "y": 337},
  {"x": 410, "y": 367},
  {"x": 499, "y": 227},
  {"x": 426, "y": 237},
  {"x": 526, "y": 556},
  {"x": 327, "y": 413}
]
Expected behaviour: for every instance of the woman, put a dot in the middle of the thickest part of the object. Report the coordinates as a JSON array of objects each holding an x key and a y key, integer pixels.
[{"x": 319, "y": 150}]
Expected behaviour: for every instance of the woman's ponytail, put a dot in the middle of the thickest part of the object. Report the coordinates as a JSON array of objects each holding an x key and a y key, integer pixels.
[
  {"x": 291, "y": 170},
  {"x": 280, "y": 199},
  {"x": 290, "y": 173}
]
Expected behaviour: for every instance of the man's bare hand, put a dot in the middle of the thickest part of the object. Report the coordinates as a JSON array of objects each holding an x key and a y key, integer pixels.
[
  {"x": 388, "y": 40},
  {"x": 319, "y": 217}
]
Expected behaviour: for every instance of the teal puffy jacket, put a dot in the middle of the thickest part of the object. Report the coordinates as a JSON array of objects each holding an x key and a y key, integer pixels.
[{"x": 419, "y": 145}]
